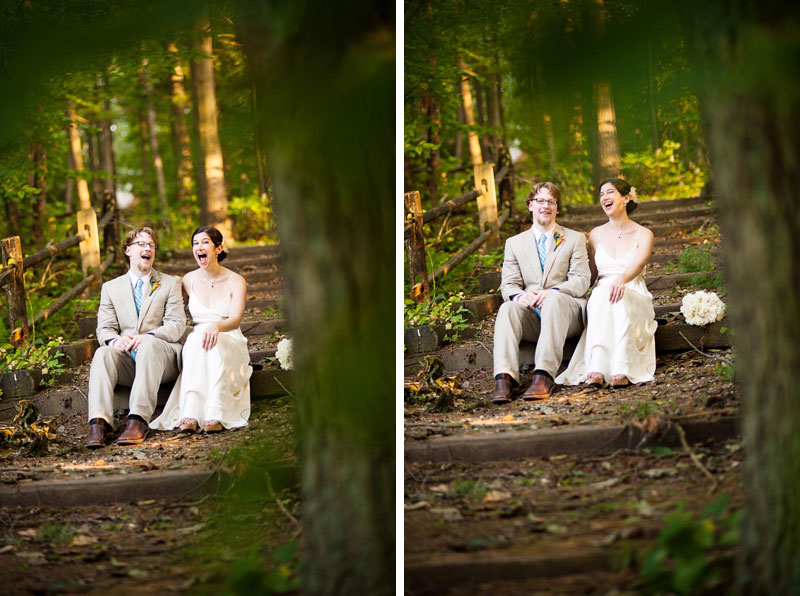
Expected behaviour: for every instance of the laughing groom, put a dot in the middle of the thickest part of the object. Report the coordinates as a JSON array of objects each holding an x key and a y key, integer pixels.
[
  {"x": 139, "y": 326},
  {"x": 545, "y": 278}
]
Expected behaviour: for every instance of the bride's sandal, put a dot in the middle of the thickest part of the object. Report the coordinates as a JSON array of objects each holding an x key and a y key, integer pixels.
[
  {"x": 619, "y": 381},
  {"x": 213, "y": 426},
  {"x": 595, "y": 378},
  {"x": 189, "y": 425}
]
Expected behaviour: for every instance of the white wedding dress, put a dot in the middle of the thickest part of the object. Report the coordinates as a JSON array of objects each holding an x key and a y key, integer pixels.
[
  {"x": 619, "y": 338},
  {"x": 214, "y": 384}
]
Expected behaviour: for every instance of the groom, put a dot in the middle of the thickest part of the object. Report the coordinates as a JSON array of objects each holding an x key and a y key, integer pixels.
[
  {"x": 545, "y": 278},
  {"x": 139, "y": 325}
]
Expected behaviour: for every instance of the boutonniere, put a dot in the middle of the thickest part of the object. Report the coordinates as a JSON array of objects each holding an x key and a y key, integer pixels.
[
  {"x": 154, "y": 285},
  {"x": 558, "y": 238}
]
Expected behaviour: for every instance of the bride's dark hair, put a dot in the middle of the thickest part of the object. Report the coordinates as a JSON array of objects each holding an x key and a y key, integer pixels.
[
  {"x": 623, "y": 188},
  {"x": 216, "y": 238}
]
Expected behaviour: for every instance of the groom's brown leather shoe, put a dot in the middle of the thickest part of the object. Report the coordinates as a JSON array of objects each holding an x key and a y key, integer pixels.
[
  {"x": 540, "y": 388},
  {"x": 98, "y": 433},
  {"x": 134, "y": 433},
  {"x": 502, "y": 389}
]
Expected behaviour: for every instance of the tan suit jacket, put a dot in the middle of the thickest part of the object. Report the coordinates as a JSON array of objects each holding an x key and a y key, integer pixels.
[
  {"x": 161, "y": 313},
  {"x": 566, "y": 266}
]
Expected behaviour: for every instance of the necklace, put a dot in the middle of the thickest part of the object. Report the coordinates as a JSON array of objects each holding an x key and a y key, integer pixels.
[
  {"x": 621, "y": 231},
  {"x": 213, "y": 280}
]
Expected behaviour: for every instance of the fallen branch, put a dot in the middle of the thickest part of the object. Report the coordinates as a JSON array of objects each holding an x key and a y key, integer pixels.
[
  {"x": 695, "y": 459},
  {"x": 712, "y": 356}
]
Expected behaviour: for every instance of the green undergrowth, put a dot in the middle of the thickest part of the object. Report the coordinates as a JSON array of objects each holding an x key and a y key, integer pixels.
[
  {"x": 693, "y": 554},
  {"x": 440, "y": 310}
]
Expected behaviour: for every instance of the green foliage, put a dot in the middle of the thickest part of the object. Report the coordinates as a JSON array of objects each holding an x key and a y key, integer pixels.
[
  {"x": 725, "y": 371},
  {"x": 695, "y": 258},
  {"x": 441, "y": 310},
  {"x": 692, "y": 555},
  {"x": 58, "y": 533},
  {"x": 662, "y": 175},
  {"x": 36, "y": 355},
  {"x": 258, "y": 573},
  {"x": 708, "y": 282},
  {"x": 253, "y": 216},
  {"x": 469, "y": 488}
]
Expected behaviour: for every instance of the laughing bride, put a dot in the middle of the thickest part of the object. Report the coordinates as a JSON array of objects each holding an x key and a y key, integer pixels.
[{"x": 213, "y": 390}]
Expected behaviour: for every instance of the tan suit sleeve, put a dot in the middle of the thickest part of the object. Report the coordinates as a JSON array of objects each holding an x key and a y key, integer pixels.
[
  {"x": 511, "y": 281},
  {"x": 107, "y": 320}
]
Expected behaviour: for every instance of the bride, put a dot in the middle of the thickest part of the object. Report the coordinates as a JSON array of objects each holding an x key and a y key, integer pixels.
[
  {"x": 213, "y": 389},
  {"x": 618, "y": 345}
]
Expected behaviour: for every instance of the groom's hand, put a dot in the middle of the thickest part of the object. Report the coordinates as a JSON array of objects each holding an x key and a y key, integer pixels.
[
  {"x": 528, "y": 298},
  {"x": 123, "y": 343},
  {"x": 541, "y": 297}
]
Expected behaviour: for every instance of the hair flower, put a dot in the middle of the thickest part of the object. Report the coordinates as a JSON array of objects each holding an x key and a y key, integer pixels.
[{"x": 633, "y": 195}]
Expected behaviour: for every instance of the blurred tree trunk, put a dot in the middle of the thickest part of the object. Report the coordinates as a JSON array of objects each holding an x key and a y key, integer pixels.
[
  {"x": 459, "y": 150},
  {"x": 183, "y": 152},
  {"x": 143, "y": 142},
  {"x": 69, "y": 191},
  {"x": 152, "y": 133},
  {"x": 434, "y": 117},
  {"x": 37, "y": 178},
  {"x": 652, "y": 89},
  {"x": 84, "y": 199},
  {"x": 608, "y": 146},
  {"x": 261, "y": 161},
  {"x": 215, "y": 208},
  {"x": 107, "y": 163},
  {"x": 93, "y": 165},
  {"x": 197, "y": 153},
  {"x": 332, "y": 162},
  {"x": 13, "y": 222},
  {"x": 748, "y": 88},
  {"x": 469, "y": 115}
]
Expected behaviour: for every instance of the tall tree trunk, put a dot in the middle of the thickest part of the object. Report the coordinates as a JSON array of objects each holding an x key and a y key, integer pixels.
[
  {"x": 93, "y": 165},
  {"x": 469, "y": 115},
  {"x": 108, "y": 164},
  {"x": 651, "y": 97},
  {"x": 261, "y": 161},
  {"x": 197, "y": 153},
  {"x": 37, "y": 178},
  {"x": 551, "y": 144},
  {"x": 143, "y": 142},
  {"x": 69, "y": 191},
  {"x": 84, "y": 200},
  {"x": 753, "y": 123},
  {"x": 459, "y": 150},
  {"x": 152, "y": 133},
  {"x": 493, "y": 101},
  {"x": 608, "y": 146},
  {"x": 434, "y": 118},
  {"x": 183, "y": 152},
  {"x": 215, "y": 209},
  {"x": 346, "y": 425}
]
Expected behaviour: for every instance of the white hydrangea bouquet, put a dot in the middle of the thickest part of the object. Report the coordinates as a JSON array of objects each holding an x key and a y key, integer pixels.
[
  {"x": 702, "y": 308},
  {"x": 284, "y": 354}
]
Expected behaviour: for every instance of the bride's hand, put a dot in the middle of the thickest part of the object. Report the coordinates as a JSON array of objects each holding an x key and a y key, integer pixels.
[
  {"x": 616, "y": 289},
  {"x": 210, "y": 334}
]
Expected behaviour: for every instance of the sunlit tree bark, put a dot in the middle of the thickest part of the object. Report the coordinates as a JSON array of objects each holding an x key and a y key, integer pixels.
[
  {"x": 215, "y": 207},
  {"x": 469, "y": 116},
  {"x": 152, "y": 133},
  {"x": 178, "y": 100},
  {"x": 84, "y": 200}
]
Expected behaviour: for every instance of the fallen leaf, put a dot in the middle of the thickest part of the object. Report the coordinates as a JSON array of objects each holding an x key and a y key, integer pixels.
[
  {"x": 508, "y": 418},
  {"x": 99, "y": 462},
  {"x": 146, "y": 502},
  {"x": 191, "y": 529},
  {"x": 29, "y": 533},
  {"x": 448, "y": 513},
  {"x": 496, "y": 495},
  {"x": 660, "y": 472},
  {"x": 83, "y": 540},
  {"x": 33, "y": 557},
  {"x": 604, "y": 484},
  {"x": 440, "y": 488},
  {"x": 7, "y": 549},
  {"x": 417, "y": 505}
]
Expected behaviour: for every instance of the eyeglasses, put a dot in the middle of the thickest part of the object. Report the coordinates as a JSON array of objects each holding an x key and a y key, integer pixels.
[
  {"x": 142, "y": 244},
  {"x": 550, "y": 202}
]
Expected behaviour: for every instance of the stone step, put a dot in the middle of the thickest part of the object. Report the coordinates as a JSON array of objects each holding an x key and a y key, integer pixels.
[
  {"x": 264, "y": 384},
  {"x": 565, "y": 440},
  {"x": 429, "y": 575},
  {"x": 644, "y": 206},
  {"x": 472, "y": 356},
  {"x": 240, "y": 265},
  {"x": 648, "y": 219},
  {"x": 130, "y": 488},
  {"x": 235, "y": 252}
]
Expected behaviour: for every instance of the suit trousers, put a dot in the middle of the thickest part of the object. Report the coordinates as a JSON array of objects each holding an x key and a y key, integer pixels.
[
  {"x": 156, "y": 362},
  {"x": 562, "y": 317}
]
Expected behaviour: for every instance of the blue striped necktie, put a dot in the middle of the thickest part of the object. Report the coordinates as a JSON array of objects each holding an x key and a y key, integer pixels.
[
  {"x": 541, "y": 247},
  {"x": 137, "y": 294}
]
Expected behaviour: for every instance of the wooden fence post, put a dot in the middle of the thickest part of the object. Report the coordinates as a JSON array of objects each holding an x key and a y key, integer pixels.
[
  {"x": 90, "y": 247},
  {"x": 487, "y": 202},
  {"x": 15, "y": 290},
  {"x": 415, "y": 247}
]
